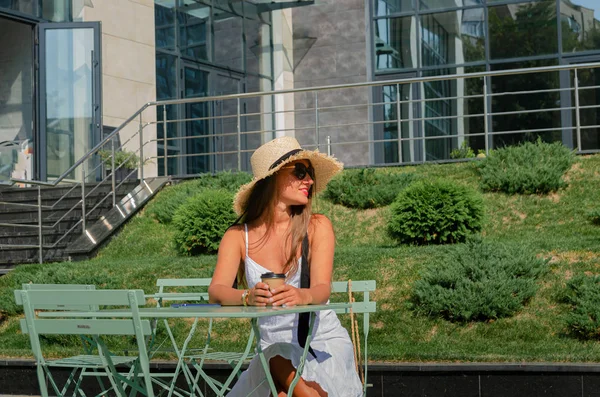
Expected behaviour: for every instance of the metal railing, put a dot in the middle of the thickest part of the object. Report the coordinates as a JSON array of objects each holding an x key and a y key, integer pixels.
[{"x": 395, "y": 122}]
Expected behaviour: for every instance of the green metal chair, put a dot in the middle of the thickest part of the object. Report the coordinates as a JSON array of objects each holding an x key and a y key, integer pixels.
[
  {"x": 198, "y": 356},
  {"x": 87, "y": 343},
  {"x": 364, "y": 307},
  {"x": 100, "y": 364}
]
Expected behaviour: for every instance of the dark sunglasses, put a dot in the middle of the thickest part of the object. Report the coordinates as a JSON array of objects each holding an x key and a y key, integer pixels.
[{"x": 300, "y": 170}]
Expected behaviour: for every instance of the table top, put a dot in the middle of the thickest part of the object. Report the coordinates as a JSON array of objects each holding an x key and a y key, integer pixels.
[{"x": 200, "y": 311}]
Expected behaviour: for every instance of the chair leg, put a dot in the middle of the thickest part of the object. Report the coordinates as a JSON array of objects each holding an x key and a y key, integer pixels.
[{"x": 42, "y": 380}]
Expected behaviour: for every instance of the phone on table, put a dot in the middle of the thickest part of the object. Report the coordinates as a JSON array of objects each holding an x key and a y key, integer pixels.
[{"x": 183, "y": 305}]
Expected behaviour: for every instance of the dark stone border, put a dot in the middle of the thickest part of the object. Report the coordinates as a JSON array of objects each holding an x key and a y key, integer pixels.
[{"x": 18, "y": 376}]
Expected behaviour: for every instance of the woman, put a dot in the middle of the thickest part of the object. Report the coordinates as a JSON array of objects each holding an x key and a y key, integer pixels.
[{"x": 275, "y": 214}]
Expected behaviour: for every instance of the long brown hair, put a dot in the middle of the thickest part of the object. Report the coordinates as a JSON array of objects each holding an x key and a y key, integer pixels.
[{"x": 261, "y": 203}]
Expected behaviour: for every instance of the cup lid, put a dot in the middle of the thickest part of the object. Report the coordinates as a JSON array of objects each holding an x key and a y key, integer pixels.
[{"x": 272, "y": 275}]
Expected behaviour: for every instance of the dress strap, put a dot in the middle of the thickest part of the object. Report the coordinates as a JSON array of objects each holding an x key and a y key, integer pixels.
[{"x": 246, "y": 228}]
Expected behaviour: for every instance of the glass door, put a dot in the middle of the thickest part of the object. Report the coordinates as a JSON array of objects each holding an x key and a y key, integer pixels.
[
  {"x": 69, "y": 100},
  {"x": 16, "y": 99},
  {"x": 210, "y": 127},
  {"x": 197, "y": 142},
  {"x": 225, "y": 124},
  {"x": 394, "y": 131}
]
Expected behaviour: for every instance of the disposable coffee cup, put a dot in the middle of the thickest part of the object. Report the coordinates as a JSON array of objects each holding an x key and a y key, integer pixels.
[{"x": 273, "y": 280}]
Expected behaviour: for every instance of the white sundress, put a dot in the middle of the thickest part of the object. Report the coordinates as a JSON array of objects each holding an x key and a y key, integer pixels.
[{"x": 333, "y": 368}]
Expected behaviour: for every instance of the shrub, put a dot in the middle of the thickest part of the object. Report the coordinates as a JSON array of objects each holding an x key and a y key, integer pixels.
[
  {"x": 582, "y": 293},
  {"x": 464, "y": 152},
  {"x": 531, "y": 168},
  {"x": 201, "y": 222},
  {"x": 435, "y": 212},
  {"x": 171, "y": 198},
  {"x": 594, "y": 217},
  {"x": 477, "y": 281},
  {"x": 123, "y": 158},
  {"x": 366, "y": 188}
]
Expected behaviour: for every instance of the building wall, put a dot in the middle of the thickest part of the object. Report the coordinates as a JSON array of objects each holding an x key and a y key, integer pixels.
[
  {"x": 330, "y": 41},
  {"x": 128, "y": 67}
]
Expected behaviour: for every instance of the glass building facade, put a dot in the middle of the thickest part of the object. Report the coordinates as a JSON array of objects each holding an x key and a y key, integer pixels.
[
  {"x": 417, "y": 38},
  {"x": 206, "y": 48}
]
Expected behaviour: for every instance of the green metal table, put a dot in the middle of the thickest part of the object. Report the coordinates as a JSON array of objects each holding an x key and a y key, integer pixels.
[{"x": 211, "y": 311}]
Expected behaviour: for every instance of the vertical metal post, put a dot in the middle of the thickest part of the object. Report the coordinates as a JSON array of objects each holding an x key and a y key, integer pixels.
[
  {"x": 486, "y": 126},
  {"x": 113, "y": 172},
  {"x": 317, "y": 119},
  {"x": 40, "y": 226},
  {"x": 577, "y": 115},
  {"x": 422, "y": 106},
  {"x": 239, "y": 136},
  {"x": 399, "y": 121},
  {"x": 141, "y": 150},
  {"x": 328, "y": 145},
  {"x": 165, "y": 142},
  {"x": 83, "y": 201}
]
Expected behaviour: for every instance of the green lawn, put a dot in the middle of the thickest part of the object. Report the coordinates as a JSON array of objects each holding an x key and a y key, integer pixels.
[{"x": 554, "y": 226}]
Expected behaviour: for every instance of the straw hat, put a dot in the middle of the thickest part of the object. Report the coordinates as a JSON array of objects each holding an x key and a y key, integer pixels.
[{"x": 270, "y": 157}]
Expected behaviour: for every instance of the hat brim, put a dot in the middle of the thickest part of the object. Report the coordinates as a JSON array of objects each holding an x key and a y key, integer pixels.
[{"x": 326, "y": 167}]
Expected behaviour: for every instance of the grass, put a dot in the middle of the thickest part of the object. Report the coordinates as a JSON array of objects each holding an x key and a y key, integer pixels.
[{"x": 556, "y": 226}]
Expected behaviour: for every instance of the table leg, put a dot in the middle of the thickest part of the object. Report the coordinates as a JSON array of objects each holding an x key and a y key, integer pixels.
[
  {"x": 263, "y": 360},
  {"x": 304, "y": 354},
  {"x": 181, "y": 366}
]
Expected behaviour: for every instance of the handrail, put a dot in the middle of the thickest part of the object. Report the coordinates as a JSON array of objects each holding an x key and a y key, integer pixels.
[
  {"x": 308, "y": 89},
  {"x": 85, "y": 156},
  {"x": 410, "y": 80},
  {"x": 324, "y": 119}
]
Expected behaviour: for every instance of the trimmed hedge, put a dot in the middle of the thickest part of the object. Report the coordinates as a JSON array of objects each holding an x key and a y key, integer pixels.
[
  {"x": 366, "y": 188},
  {"x": 477, "y": 281},
  {"x": 530, "y": 168},
  {"x": 435, "y": 212},
  {"x": 582, "y": 293},
  {"x": 202, "y": 221},
  {"x": 171, "y": 198}
]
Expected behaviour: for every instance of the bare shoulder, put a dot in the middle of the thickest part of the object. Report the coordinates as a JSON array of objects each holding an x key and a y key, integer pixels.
[
  {"x": 233, "y": 235},
  {"x": 320, "y": 223}
]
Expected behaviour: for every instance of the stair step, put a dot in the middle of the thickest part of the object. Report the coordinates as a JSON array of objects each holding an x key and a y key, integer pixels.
[
  {"x": 15, "y": 201},
  {"x": 100, "y": 223}
]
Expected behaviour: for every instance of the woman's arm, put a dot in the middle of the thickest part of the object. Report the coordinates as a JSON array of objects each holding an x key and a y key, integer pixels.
[
  {"x": 228, "y": 263},
  {"x": 322, "y": 247}
]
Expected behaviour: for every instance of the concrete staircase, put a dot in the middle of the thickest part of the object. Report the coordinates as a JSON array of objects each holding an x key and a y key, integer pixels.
[{"x": 130, "y": 196}]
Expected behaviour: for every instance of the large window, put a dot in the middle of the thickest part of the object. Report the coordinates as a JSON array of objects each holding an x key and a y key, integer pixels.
[
  {"x": 207, "y": 48},
  {"x": 580, "y": 25},
  {"x": 393, "y": 38},
  {"x": 531, "y": 25},
  {"x": 422, "y": 38},
  {"x": 49, "y": 10}
]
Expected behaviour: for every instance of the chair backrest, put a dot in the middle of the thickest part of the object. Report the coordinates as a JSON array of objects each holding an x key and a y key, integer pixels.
[
  {"x": 66, "y": 287},
  {"x": 129, "y": 324},
  {"x": 31, "y": 286},
  {"x": 362, "y": 286},
  {"x": 166, "y": 286},
  {"x": 364, "y": 307},
  {"x": 66, "y": 324}
]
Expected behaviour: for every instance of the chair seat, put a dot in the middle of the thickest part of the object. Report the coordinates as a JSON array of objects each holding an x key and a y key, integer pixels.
[{"x": 89, "y": 361}]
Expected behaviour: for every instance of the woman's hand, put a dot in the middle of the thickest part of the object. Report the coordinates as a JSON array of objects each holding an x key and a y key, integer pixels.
[
  {"x": 259, "y": 295},
  {"x": 291, "y": 296}
]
